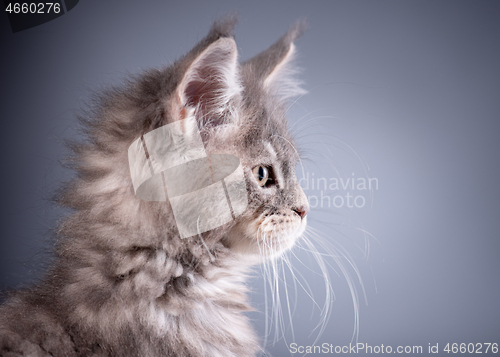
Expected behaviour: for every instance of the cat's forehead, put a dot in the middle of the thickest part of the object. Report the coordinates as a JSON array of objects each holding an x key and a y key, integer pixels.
[
  {"x": 265, "y": 130},
  {"x": 275, "y": 150}
]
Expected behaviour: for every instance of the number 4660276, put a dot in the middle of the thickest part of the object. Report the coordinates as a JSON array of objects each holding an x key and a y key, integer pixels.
[
  {"x": 33, "y": 8},
  {"x": 471, "y": 348}
]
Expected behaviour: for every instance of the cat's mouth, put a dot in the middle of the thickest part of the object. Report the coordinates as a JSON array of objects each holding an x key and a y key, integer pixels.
[{"x": 267, "y": 235}]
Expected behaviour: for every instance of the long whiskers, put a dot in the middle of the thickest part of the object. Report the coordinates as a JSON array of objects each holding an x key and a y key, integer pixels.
[{"x": 281, "y": 303}]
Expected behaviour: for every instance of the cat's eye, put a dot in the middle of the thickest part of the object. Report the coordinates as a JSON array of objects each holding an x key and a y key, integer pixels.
[{"x": 261, "y": 174}]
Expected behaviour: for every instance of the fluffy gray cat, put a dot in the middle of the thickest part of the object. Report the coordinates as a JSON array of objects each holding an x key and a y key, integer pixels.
[{"x": 123, "y": 282}]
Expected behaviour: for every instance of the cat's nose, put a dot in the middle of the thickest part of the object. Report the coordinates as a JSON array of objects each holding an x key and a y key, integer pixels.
[{"x": 301, "y": 211}]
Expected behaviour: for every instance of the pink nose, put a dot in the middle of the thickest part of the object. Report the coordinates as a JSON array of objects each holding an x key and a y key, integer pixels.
[{"x": 301, "y": 211}]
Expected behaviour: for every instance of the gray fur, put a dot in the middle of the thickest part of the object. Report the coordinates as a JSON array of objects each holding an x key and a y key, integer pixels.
[{"x": 123, "y": 283}]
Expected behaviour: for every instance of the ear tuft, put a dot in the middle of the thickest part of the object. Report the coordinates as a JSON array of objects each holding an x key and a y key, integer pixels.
[
  {"x": 223, "y": 27},
  {"x": 295, "y": 31}
]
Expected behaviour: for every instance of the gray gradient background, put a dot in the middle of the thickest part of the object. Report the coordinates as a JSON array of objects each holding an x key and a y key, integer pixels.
[{"x": 411, "y": 87}]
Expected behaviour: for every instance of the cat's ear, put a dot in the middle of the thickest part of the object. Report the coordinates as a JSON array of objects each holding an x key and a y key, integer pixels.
[
  {"x": 211, "y": 80},
  {"x": 274, "y": 67}
]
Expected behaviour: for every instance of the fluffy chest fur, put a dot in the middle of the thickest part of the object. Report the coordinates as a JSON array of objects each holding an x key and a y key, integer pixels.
[{"x": 154, "y": 306}]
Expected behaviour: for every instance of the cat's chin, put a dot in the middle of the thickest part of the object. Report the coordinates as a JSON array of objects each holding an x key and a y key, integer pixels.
[{"x": 262, "y": 239}]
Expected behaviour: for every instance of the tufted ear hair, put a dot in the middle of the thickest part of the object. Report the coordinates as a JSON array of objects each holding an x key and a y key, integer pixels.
[{"x": 274, "y": 67}]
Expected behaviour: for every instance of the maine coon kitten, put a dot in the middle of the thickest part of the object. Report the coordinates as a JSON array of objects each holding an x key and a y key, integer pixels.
[{"x": 123, "y": 282}]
